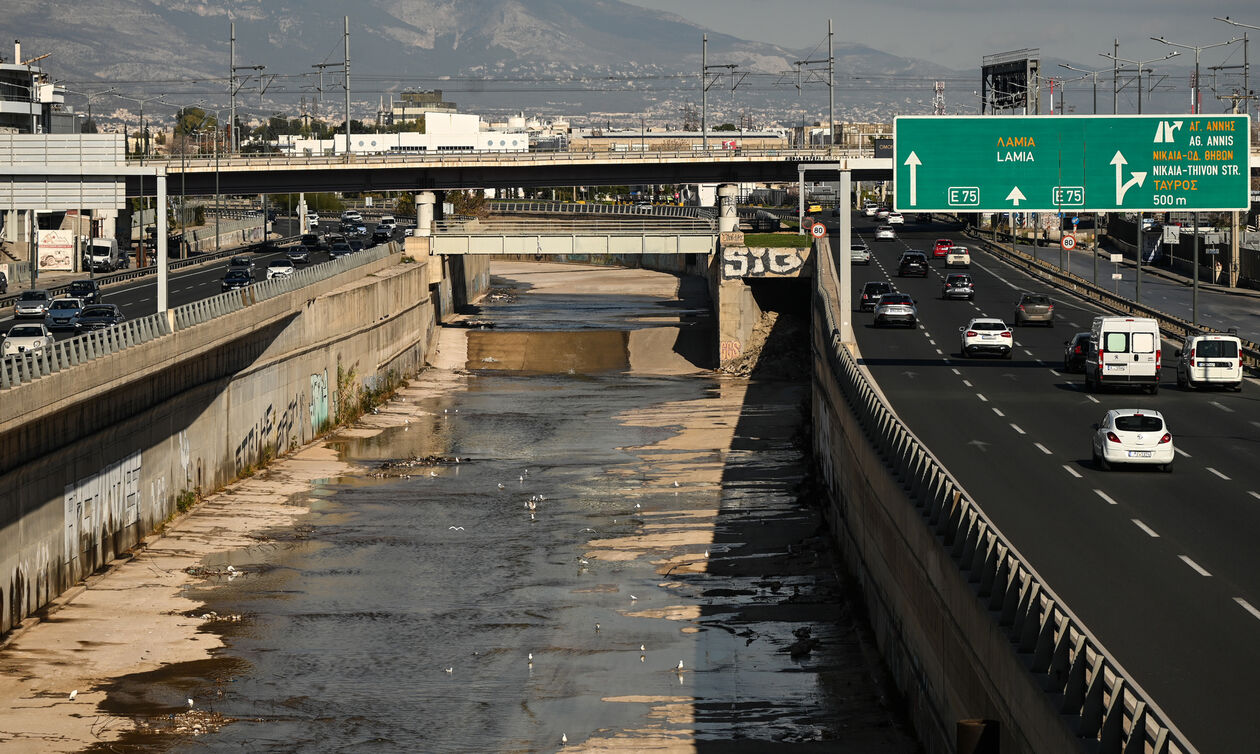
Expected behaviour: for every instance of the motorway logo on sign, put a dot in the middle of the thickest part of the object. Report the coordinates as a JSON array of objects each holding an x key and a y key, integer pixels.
[
  {"x": 1068, "y": 242},
  {"x": 1079, "y": 163},
  {"x": 818, "y": 230}
]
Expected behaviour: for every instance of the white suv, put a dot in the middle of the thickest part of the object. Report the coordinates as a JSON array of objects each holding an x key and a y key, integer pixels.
[
  {"x": 280, "y": 268},
  {"x": 987, "y": 335}
]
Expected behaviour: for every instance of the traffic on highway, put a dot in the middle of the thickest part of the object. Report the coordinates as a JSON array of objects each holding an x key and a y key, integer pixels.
[{"x": 1073, "y": 475}]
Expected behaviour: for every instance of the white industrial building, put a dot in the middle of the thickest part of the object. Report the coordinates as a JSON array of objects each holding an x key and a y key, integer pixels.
[{"x": 444, "y": 133}]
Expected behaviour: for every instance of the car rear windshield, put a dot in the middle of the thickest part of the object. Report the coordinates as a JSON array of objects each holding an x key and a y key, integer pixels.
[
  {"x": 1036, "y": 300},
  {"x": 1135, "y": 423},
  {"x": 25, "y": 331},
  {"x": 988, "y": 326},
  {"x": 895, "y": 298},
  {"x": 82, "y": 285},
  {"x": 1216, "y": 349},
  {"x": 33, "y": 296},
  {"x": 96, "y": 311},
  {"x": 63, "y": 304},
  {"x": 959, "y": 280},
  {"x": 877, "y": 287}
]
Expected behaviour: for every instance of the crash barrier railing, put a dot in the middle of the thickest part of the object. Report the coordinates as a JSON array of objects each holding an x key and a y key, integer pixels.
[
  {"x": 593, "y": 227},
  {"x": 1104, "y": 707},
  {"x": 1169, "y": 324},
  {"x": 173, "y": 264},
  {"x": 629, "y": 210},
  {"x": 16, "y": 369}
]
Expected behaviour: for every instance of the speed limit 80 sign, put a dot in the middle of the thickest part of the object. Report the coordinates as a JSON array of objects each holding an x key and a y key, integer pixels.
[
  {"x": 1068, "y": 242},
  {"x": 818, "y": 230}
]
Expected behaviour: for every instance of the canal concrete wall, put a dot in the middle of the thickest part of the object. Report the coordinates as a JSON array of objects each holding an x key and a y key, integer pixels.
[
  {"x": 94, "y": 458},
  {"x": 945, "y": 650}
]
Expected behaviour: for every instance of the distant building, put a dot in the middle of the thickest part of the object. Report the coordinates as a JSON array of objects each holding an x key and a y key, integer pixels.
[
  {"x": 29, "y": 102},
  {"x": 412, "y": 106},
  {"x": 444, "y": 133}
]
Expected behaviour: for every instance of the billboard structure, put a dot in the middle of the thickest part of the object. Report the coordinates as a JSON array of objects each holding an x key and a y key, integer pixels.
[{"x": 1010, "y": 83}]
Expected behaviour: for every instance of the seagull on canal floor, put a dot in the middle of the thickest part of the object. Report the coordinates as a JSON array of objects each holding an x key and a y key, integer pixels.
[
  {"x": 450, "y": 670},
  {"x": 680, "y": 666},
  {"x": 564, "y": 739},
  {"x": 190, "y": 704},
  {"x": 73, "y": 694}
]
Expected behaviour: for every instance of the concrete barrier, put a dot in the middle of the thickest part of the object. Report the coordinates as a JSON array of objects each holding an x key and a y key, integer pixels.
[{"x": 94, "y": 458}]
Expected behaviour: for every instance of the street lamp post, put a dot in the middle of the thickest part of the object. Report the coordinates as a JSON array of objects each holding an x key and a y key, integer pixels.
[
  {"x": 1088, "y": 73},
  {"x": 1140, "y": 67},
  {"x": 1195, "y": 105}
]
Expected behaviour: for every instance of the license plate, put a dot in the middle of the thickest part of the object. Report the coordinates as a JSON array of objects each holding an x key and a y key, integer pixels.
[
  {"x": 1139, "y": 454},
  {"x": 989, "y": 337},
  {"x": 1115, "y": 367}
]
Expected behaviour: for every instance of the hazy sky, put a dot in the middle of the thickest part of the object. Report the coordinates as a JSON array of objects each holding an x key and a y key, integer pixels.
[{"x": 957, "y": 33}]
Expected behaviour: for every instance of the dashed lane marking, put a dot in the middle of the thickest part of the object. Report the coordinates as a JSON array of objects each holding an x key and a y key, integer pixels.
[
  {"x": 1219, "y": 474},
  {"x": 1105, "y": 496},
  {"x": 998, "y": 411},
  {"x": 1092, "y": 398},
  {"x": 1254, "y": 494},
  {"x": 1030, "y": 353},
  {"x": 1182, "y": 453},
  {"x": 967, "y": 383},
  {"x": 1056, "y": 374},
  {"x": 1145, "y": 528},
  {"x": 939, "y": 352},
  {"x": 955, "y": 371},
  {"x": 1247, "y": 606},
  {"x": 1072, "y": 471},
  {"x": 1043, "y": 449},
  {"x": 1015, "y": 427},
  {"x": 981, "y": 397},
  {"x": 1222, "y": 407},
  {"x": 1198, "y": 568}
]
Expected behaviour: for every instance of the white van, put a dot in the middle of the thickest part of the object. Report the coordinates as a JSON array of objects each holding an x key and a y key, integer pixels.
[
  {"x": 1210, "y": 359},
  {"x": 1123, "y": 351}
]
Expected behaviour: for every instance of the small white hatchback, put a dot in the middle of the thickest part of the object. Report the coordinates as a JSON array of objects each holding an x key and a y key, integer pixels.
[{"x": 1132, "y": 435}]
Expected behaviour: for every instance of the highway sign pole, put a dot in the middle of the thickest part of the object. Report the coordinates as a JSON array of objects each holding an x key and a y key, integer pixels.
[
  {"x": 1138, "y": 296},
  {"x": 1194, "y": 297},
  {"x": 846, "y": 264}
]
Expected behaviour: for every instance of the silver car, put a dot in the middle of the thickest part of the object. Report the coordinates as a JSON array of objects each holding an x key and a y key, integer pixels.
[
  {"x": 61, "y": 313},
  {"x": 32, "y": 304},
  {"x": 859, "y": 254},
  {"x": 896, "y": 308}
]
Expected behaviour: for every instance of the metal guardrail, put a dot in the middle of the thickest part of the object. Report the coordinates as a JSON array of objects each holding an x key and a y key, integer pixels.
[
  {"x": 17, "y": 369},
  {"x": 1104, "y": 707},
  {"x": 498, "y": 227},
  {"x": 1169, "y": 324},
  {"x": 621, "y": 210}
]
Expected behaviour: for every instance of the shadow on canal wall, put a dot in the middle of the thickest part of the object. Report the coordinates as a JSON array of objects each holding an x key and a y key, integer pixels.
[{"x": 121, "y": 445}]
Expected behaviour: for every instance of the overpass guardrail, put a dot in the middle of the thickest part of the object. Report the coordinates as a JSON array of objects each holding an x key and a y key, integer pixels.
[
  {"x": 17, "y": 369},
  {"x": 1104, "y": 708},
  {"x": 1169, "y": 324}
]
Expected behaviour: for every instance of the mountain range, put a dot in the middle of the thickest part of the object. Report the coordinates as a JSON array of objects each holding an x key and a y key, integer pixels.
[{"x": 591, "y": 61}]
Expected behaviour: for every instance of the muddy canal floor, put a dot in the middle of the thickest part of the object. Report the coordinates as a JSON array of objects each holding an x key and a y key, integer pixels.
[{"x": 529, "y": 553}]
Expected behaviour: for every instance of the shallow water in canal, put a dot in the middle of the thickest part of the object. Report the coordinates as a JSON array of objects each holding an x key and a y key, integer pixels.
[{"x": 611, "y": 522}]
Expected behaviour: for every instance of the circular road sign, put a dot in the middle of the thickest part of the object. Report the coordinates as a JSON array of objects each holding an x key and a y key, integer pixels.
[
  {"x": 1069, "y": 242},
  {"x": 818, "y": 230}
]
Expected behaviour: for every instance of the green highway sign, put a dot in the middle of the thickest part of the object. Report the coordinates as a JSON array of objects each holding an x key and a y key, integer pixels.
[{"x": 1072, "y": 163}]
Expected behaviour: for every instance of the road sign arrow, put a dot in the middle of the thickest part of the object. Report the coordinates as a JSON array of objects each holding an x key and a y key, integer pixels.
[
  {"x": 1016, "y": 196},
  {"x": 1123, "y": 186},
  {"x": 913, "y": 161}
]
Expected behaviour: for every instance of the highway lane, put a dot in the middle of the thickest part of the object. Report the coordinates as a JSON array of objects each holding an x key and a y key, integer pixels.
[
  {"x": 1160, "y": 566},
  {"x": 1216, "y": 309}
]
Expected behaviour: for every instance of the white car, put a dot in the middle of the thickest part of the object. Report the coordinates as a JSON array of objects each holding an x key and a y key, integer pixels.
[
  {"x": 351, "y": 216},
  {"x": 859, "y": 254},
  {"x": 896, "y": 218},
  {"x": 869, "y": 209},
  {"x": 1206, "y": 359},
  {"x": 387, "y": 223},
  {"x": 312, "y": 219},
  {"x": 25, "y": 338},
  {"x": 1132, "y": 435},
  {"x": 885, "y": 233},
  {"x": 280, "y": 268},
  {"x": 958, "y": 256},
  {"x": 987, "y": 335},
  {"x": 882, "y": 213}
]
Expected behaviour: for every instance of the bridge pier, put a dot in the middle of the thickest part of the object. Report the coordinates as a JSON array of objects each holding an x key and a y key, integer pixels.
[
  {"x": 728, "y": 219},
  {"x": 424, "y": 213}
]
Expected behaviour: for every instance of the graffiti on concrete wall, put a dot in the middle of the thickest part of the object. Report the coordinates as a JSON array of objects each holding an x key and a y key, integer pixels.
[
  {"x": 319, "y": 401},
  {"x": 276, "y": 432},
  {"x": 746, "y": 262},
  {"x": 729, "y": 349},
  {"x": 104, "y": 502}
]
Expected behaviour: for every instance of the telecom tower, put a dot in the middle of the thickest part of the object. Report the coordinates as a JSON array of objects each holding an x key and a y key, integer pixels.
[{"x": 938, "y": 98}]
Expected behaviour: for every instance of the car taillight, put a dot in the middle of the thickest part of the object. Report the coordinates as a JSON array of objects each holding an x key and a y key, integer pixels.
[
  {"x": 1021, "y": 307},
  {"x": 1158, "y": 356},
  {"x": 1191, "y": 357},
  {"x": 1006, "y": 334},
  {"x": 1111, "y": 437},
  {"x": 1076, "y": 349},
  {"x": 1166, "y": 438},
  {"x": 1051, "y": 307},
  {"x": 971, "y": 333}
]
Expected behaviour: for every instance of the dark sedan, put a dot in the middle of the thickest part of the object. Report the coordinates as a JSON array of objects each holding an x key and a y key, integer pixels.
[
  {"x": 299, "y": 254},
  {"x": 1075, "y": 351},
  {"x": 98, "y": 317},
  {"x": 236, "y": 279}
]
